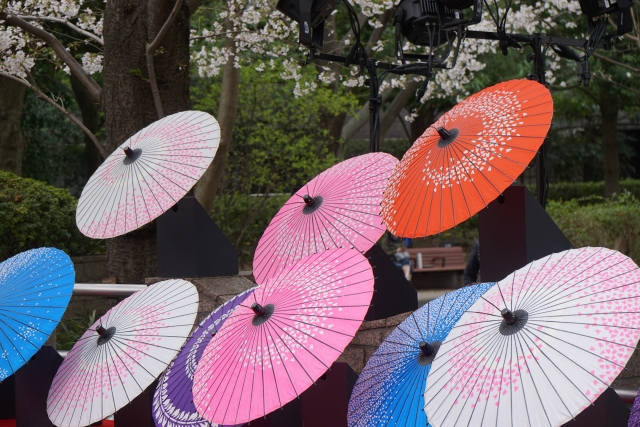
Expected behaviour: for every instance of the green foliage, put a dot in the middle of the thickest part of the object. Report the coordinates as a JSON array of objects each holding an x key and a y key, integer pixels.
[
  {"x": 55, "y": 146},
  {"x": 606, "y": 223},
  {"x": 279, "y": 143},
  {"x": 582, "y": 190},
  {"x": 34, "y": 214},
  {"x": 70, "y": 330}
]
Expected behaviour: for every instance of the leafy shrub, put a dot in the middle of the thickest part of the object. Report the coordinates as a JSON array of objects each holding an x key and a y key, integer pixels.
[
  {"x": 577, "y": 190},
  {"x": 34, "y": 214},
  {"x": 604, "y": 224},
  {"x": 70, "y": 330}
]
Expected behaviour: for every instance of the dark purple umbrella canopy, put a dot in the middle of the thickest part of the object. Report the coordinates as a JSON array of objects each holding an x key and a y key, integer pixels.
[
  {"x": 634, "y": 418},
  {"x": 173, "y": 402}
]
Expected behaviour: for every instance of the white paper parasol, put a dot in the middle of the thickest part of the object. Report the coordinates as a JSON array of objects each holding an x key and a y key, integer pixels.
[
  {"x": 541, "y": 345},
  {"x": 122, "y": 353},
  {"x": 148, "y": 174}
]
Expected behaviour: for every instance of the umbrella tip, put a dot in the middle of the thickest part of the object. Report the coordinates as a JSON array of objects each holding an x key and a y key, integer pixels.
[
  {"x": 128, "y": 152},
  {"x": 508, "y": 316},
  {"x": 444, "y": 134},
  {"x": 426, "y": 348},
  {"x": 258, "y": 309},
  {"x": 308, "y": 200}
]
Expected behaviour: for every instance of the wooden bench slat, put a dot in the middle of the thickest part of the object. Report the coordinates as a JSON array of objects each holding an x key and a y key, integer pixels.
[{"x": 453, "y": 257}]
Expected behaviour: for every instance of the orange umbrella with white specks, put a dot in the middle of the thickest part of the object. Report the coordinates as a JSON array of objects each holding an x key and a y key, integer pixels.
[{"x": 467, "y": 158}]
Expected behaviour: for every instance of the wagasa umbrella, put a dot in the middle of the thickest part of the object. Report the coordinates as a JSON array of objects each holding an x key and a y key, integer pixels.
[
  {"x": 147, "y": 174},
  {"x": 634, "y": 418},
  {"x": 539, "y": 346},
  {"x": 340, "y": 208},
  {"x": 390, "y": 388},
  {"x": 285, "y": 336},
  {"x": 35, "y": 288},
  {"x": 122, "y": 353},
  {"x": 173, "y": 400},
  {"x": 467, "y": 158}
]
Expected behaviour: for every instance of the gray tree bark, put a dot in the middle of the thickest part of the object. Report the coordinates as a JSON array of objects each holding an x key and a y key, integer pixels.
[
  {"x": 609, "y": 110},
  {"x": 209, "y": 184},
  {"x": 12, "y": 141},
  {"x": 90, "y": 112},
  {"x": 128, "y": 103}
]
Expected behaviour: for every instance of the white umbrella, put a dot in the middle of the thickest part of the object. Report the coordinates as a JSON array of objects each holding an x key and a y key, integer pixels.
[
  {"x": 541, "y": 346},
  {"x": 122, "y": 353},
  {"x": 148, "y": 174}
]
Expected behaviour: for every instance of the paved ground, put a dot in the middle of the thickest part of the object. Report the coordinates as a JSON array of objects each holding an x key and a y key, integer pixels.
[{"x": 424, "y": 296}]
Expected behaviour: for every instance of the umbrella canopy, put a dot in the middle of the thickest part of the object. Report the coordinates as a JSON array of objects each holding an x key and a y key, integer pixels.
[
  {"x": 634, "y": 418},
  {"x": 122, "y": 353},
  {"x": 173, "y": 400},
  {"x": 298, "y": 324},
  {"x": 541, "y": 345},
  {"x": 389, "y": 391},
  {"x": 147, "y": 174},
  {"x": 35, "y": 288},
  {"x": 467, "y": 158},
  {"x": 340, "y": 208}
]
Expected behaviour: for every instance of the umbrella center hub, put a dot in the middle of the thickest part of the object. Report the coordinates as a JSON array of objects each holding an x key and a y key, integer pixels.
[
  {"x": 312, "y": 205},
  {"x": 428, "y": 352},
  {"x": 262, "y": 313},
  {"x": 131, "y": 155},
  {"x": 446, "y": 136},
  {"x": 513, "y": 321},
  {"x": 105, "y": 334}
]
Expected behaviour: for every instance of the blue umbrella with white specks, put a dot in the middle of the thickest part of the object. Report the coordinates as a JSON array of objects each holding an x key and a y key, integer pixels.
[
  {"x": 35, "y": 288},
  {"x": 390, "y": 389}
]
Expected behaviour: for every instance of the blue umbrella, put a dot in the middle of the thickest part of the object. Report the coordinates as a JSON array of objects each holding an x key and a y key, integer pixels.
[
  {"x": 390, "y": 389},
  {"x": 35, "y": 288}
]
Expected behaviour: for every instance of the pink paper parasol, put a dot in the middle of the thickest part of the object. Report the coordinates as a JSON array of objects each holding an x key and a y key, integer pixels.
[
  {"x": 338, "y": 208},
  {"x": 299, "y": 323},
  {"x": 148, "y": 174}
]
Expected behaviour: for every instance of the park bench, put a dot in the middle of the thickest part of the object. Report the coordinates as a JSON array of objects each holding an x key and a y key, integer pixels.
[{"x": 437, "y": 259}]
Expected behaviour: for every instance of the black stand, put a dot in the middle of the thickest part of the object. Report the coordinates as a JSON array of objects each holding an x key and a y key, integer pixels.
[
  {"x": 32, "y": 383},
  {"x": 607, "y": 411},
  {"x": 393, "y": 293},
  {"x": 515, "y": 230},
  {"x": 190, "y": 244},
  {"x": 327, "y": 402},
  {"x": 289, "y": 416},
  {"x": 8, "y": 398},
  {"x": 138, "y": 412}
]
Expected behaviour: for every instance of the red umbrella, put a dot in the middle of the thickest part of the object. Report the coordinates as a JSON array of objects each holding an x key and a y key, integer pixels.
[{"x": 467, "y": 158}]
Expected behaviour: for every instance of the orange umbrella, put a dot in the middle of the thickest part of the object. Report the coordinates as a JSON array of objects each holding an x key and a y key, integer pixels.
[{"x": 467, "y": 158}]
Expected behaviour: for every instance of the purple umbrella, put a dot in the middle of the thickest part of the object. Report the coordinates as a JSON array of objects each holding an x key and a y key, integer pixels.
[
  {"x": 173, "y": 402},
  {"x": 634, "y": 418}
]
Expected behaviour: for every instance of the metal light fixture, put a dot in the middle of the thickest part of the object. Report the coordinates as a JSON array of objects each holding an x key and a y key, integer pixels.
[{"x": 310, "y": 15}]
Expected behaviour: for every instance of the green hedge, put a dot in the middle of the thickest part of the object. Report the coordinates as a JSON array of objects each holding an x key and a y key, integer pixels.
[
  {"x": 34, "y": 214},
  {"x": 578, "y": 190},
  {"x": 608, "y": 223}
]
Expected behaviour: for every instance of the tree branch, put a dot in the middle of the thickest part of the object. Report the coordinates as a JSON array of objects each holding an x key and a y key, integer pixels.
[
  {"x": 64, "y": 22},
  {"x": 614, "y": 62},
  {"x": 58, "y": 107},
  {"x": 151, "y": 48},
  {"x": 94, "y": 89}
]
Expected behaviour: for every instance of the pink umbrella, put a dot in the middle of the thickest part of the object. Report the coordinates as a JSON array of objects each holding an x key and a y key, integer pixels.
[
  {"x": 148, "y": 174},
  {"x": 299, "y": 323},
  {"x": 338, "y": 208}
]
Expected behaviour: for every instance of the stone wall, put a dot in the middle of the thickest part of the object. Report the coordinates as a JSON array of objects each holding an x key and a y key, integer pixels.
[
  {"x": 214, "y": 291},
  {"x": 367, "y": 340}
]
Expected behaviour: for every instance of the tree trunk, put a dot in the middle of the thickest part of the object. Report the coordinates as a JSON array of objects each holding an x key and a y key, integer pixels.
[
  {"x": 91, "y": 119},
  {"x": 401, "y": 100},
  {"x": 426, "y": 117},
  {"x": 609, "y": 112},
  {"x": 12, "y": 141},
  {"x": 207, "y": 188},
  {"x": 128, "y": 103}
]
